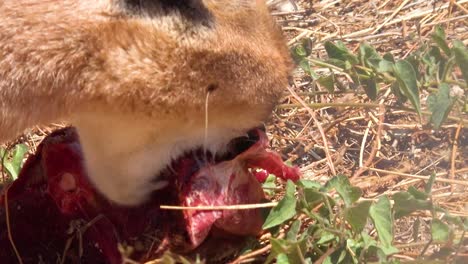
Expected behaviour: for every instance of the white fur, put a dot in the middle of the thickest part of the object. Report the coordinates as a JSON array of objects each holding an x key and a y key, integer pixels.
[{"x": 124, "y": 154}]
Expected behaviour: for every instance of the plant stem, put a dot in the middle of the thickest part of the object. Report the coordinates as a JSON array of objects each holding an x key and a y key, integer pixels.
[
  {"x": 334, "y": 231},
  {"x": 327, "y": 65}
]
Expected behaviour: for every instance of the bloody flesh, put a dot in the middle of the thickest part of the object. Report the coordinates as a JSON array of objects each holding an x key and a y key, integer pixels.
[{"x": 53, "y": 203}]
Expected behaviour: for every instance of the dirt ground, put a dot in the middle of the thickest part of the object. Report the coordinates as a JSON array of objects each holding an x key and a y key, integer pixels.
[{"x": 382, "y": 150}]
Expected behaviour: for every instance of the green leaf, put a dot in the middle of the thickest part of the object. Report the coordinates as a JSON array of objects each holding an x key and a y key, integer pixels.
[
  {"x": 348, "y": 193},
  {"x": 324, "y": 211},
  {"x": 10, "y": 169},
  {"x": 370, "y": 87},
  {"x": 285, "y": 210},
  {"x": 461, "y": 58},
  {"x": 313, "y": 197},
  {"x": 353, "y": 248},
  {"x": 269, "y": 185},
  {"x": 278, "y": 247},
  {"x": 309, "y": 232},
  {"x": 406, "y": 77},
  {"x": 337, "y": 63},
  {"x": 2, "y": 154},
  {"x": 451, "y": 219},
  {"x": 298, "y": 53},
  {"x": 292, "y": 250},
  {"x": 335, "y": 52},
  {"x": 318, "y": 216},
  {"x": 369, "y": 56},
  {"x": 417, "y": 193},
  {"x": 368, "y": 240},
  {"x": 357, "y": 215},
  {"x": 381, "y": 214},
  {"x": 415, "y": 61},
  {"x": 13, "y": 165},
  {"x": 5, "y": 163},
  {"x": 339, "y": 51},
  {"x": 3, "y": 159},
  {"x": 294, "y": 231},
  {"x": 438, "y": 60},
  {"x": 282, "y": 259},
  {"x": 328, "y": 82},
  {"x": 325, "y": 238},
  {"x": 406, "y": 203},
  {"x": 339, "y": 256},
  {"x": 389, "y": 57},
  {"x": 397, "y": 92},
  {"x": 305, "y": 65},
  {"x": 385, "y": 66},
  {"x": 439, "y": 230},
  {"x": 309, "y": 184},
  {"x": 439, "y": 38},
  {"x": 18, "y": 157},
  {"x": 440, "y": 105}
]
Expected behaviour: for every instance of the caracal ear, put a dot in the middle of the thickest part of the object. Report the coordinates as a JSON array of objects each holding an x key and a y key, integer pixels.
[
  {"x": 190, "y": 9},
  {"x": 145, "y": 4}
]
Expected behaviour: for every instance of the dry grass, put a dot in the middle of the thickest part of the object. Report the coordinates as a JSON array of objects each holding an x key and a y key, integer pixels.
[{"x": 382, "y": 150}]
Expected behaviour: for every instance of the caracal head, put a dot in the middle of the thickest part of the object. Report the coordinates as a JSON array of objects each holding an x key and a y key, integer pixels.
[{"x": 145, "y": 81}]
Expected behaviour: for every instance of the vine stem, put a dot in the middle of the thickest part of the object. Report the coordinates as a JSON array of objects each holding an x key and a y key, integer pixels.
[{"x": 327, "y": 65}]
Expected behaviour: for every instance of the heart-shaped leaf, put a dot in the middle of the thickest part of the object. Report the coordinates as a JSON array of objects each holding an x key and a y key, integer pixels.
[
  {"x": 439, "y": 230},
  {"x": 348, "y": 193},
  {"x": 406, "y": 77},
  {"x": 406, "y": 203},
  {"x": 439, "y": 38},
  {"x": 339, "y": 51},
  {"x": 461, "y": 58},
  {"x": 381, "y": 214},
  {"x": 440, "y": 105},
  {"x": 285, "y": 210},
  {"x": 357, "y": 215}
]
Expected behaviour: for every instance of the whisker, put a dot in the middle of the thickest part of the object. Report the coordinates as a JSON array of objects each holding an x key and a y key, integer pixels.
[{"x": 205, "y": 138}]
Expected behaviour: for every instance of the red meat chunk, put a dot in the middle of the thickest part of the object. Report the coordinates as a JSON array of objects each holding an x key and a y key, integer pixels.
[{"x": 53, "y": 202}]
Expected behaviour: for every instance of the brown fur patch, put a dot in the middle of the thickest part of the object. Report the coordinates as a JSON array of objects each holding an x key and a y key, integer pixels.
[{"x": 68, "y": 59}]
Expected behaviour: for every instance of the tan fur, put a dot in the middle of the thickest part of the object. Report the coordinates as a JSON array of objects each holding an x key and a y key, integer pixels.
[{"x": 135, "y": 85}]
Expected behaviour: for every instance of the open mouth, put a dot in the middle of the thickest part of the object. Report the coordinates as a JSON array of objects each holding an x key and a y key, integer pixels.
[
  {"x": 233, "y": 178},
  {"x": 191, "y": 161}
]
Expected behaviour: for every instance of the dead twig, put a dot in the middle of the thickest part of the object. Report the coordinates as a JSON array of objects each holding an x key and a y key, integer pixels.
[
  {"x": 375, "y": 146},
  {"x": 319, "y": 126},
  {"x": 223, "y": 207},
  {"x": 454, "y": 153},
  {"x": 390, "y": 17}
]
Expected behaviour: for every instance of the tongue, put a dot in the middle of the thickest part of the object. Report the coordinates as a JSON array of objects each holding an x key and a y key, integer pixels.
[{"x": 232, "y": 182}]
